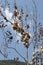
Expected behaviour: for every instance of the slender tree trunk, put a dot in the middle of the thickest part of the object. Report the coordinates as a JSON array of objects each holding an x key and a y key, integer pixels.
[{"x": 26, "y": 56}]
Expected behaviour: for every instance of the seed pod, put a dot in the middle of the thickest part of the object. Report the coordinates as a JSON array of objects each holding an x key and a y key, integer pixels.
[
  {"x": 17, "y": 41},
  {"x": 25, "y": 38},
  {"x": 15, "y": 6},
  {"x": 20, "y": 16},
  {"x": 27, "y": 45},
  {"x": 15, "y": 13},
  {"x": 27, "y": 26},
  {"x": 27, "y": 14},
  {"x": 11, "y": 37},
  {"x": 15, "y": 25}
]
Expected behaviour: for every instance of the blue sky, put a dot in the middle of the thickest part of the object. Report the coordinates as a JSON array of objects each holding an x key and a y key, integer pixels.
[{"x": 20, "y": 47}]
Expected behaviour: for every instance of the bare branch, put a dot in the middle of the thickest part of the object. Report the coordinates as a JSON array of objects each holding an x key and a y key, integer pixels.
[
  {"x": 2, "y": 54},
  {"x": 17, "y": 52}
]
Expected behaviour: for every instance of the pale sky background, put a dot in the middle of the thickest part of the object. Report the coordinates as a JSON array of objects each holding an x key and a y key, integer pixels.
[{"x": 26, "y": 4}]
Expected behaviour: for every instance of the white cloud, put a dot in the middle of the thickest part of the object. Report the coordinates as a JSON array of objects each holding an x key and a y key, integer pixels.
[
  {"x": 18, "y": 37},
  {"x": 1, "y": 9},
  {"x": 8, "y": 14},
  {"x": 30, "y": 34}
]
